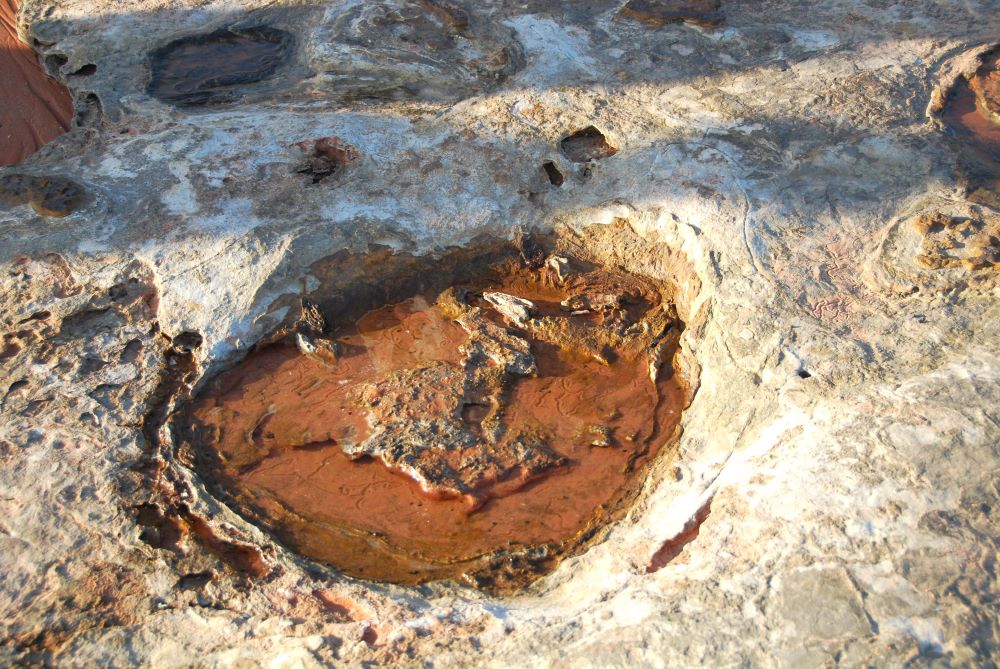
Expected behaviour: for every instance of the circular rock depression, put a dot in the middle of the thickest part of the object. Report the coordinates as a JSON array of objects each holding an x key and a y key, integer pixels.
[
  {"x": 971, "y": 111},
  {"x": 474, "y": 417}
]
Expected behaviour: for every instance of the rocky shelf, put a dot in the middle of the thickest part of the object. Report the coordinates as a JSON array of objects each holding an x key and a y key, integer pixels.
[{"x": 449, "y": 333}]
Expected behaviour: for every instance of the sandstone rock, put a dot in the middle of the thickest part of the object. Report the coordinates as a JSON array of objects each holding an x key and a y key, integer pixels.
[
  {"x": 842, "y": 430},
  {"x": 515, "y": 309}
]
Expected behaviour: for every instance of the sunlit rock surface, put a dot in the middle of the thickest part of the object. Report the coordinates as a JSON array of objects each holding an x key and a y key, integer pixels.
[{"x": 833, "y": 498}]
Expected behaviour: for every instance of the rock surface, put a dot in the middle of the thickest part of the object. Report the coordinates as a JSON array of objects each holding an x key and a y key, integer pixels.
[{"x": 833, "y": 499}]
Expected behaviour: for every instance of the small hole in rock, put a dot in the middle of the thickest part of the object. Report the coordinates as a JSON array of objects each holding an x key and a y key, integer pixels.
[
  {"x": 159, "y": 529},
  {"x": 803, "y": 374},
  {"x": 43, "y": 315},
  {"x": 88, "y": 110},
  {"x": 325, "y": 157},
  {"x": 11, "y": 347},
  {"x": 187, "y": 342},
  {"x": 54, "y": 63},
  {"x": 553, "y": 173},
  {"x": 586, "y": 145},
  {"x": 17, "y": 385},
  {"x": 86, "y": 71},
  {"x": 195, "y": 581}
]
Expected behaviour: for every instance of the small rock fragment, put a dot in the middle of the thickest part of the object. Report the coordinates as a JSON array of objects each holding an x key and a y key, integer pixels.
[
  {"x": 600, "y": 436},
  {"x": 321, "y": 349},
  {"x": 559, "y": 267},
  {"x": 510, "y": 353},
  {"x": 303, "y": 344},
  {"x": 928, "y": 223},
  {"x": 955, "y": 241},
  {"x": 512, "y": 308},
  {"x": 585, "y": 304}
]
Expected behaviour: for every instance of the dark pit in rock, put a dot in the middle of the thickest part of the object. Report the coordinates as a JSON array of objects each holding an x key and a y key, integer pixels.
[
  {"x": 986, "y": 86},
  {"x": 470, "y": 417},
  {"x": 325, "y": 157},
  {"x": 208, "y": 69},
  {"x": 586, "y": 145},
  {"x": 555, "y": 177}
]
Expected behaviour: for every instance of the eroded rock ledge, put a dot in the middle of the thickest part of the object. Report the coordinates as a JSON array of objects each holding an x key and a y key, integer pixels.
[{"x": 807, "y": 183}]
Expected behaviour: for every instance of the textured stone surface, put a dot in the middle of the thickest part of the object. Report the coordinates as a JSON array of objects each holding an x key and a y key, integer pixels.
[{"x": 844, "y": 432}]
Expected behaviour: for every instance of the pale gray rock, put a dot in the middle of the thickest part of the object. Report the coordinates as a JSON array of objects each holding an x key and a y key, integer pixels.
[
  {"x": 515, "y": 309},
  {"x": 840, "y": 456}
]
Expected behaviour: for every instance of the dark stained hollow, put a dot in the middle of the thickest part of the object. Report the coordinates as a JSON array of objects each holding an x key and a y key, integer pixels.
[
  {"x": 54, "y": 62},
  {"x": 86, "y": 71},
  {"x": 325, "y": 157},
  {"x": 210, "y": 69},
  {"x": 586, "y": 145},
  {"x": 552, "y": 172},
  {"x": 89, "y": 110},
  {"x": 53, "y": 196},
  {"x": 451, "y": 12}
]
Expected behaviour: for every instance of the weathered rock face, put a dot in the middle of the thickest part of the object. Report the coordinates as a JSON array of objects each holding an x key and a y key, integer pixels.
[{"x": 793, "y": 173}]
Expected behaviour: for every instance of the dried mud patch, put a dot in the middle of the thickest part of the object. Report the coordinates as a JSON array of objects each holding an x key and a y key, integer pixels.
[{"x": 411, "y": 413}]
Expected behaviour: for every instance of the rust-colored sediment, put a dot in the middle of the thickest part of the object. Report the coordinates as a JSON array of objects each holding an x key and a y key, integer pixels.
[
  {"x": 35, "y": 109},
  {"x": 986, "y": 85},
  {"x": 276, "y": 430},
  {"x": 672, "y": 548},
  {"x": 967, "y": 116},
  {"x": 972, "y": 112}
]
